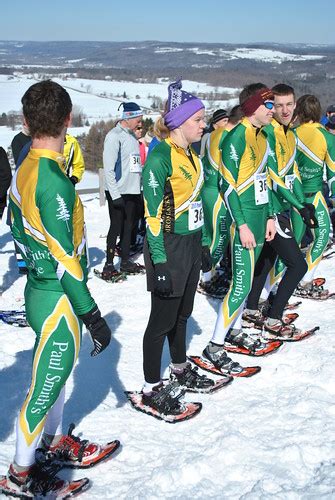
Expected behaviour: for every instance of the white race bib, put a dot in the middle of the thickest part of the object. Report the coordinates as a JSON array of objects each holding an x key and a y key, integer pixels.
[
  {"x": 289, "y": 181},
  {"x": 261, "y": 189},
  {"x": 135, "y": 163},
  {"x": 195, "y": 215}
]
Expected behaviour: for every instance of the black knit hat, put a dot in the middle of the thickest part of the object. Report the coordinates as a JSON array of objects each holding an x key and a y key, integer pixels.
[
  {"x": 331, "y": 109},
  {"x": 219, "y": 115}
]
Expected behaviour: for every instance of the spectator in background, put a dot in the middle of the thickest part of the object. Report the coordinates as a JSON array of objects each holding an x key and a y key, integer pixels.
[
  {"x": 19, "y": 141},
  {"x": 74, "y": 161},
  {"x": 5, "y": 178},
  {"x": 219, "y": 120},
  {"x": 122, "y": 169},
  {"x": 329, "y": 117},
  {"x": 159, "y": 134}
]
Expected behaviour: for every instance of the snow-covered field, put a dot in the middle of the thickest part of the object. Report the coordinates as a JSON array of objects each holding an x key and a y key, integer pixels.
[
  {"x": 100, "y": 99},
  {"x": 268, "y": 437}
]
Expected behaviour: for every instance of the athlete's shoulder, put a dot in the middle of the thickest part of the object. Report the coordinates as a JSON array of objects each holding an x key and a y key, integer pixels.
[
  {"x": 159, "y": 157},
  {"x": 51, "y": 178}
]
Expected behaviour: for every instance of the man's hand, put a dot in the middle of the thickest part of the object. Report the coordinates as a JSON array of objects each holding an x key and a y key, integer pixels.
[
  {"x": 98, "y": 329},
  {"x": 308, "y": 215},
  {"x": 270, "y": 230},
  {"x": 163, "y": 281},
  {"x": 74, "y": 179},
  {"x": 247, "y": 237}
]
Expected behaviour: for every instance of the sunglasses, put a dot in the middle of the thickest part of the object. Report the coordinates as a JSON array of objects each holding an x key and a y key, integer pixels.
[
  {"x": 139, "y": 128},
  {"x": 269, "y": 104}
]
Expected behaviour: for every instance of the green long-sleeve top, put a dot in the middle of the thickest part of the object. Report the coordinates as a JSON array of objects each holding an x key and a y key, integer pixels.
[
  {"x": 48, "y": 227},
  {"x": 244, "y": 174},
  {"x": 212, "y": 158},
  {"x": 172, "y": 184},
  {"x": 315, "y": 148},
  {"x": 286, "y": 181}
]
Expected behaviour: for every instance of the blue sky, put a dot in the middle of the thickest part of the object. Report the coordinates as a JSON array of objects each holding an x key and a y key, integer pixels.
[{"x": 238, "y": 21}]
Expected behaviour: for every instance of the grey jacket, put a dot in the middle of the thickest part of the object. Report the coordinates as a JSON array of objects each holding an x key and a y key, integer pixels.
[{"x": 121, "y": 160}]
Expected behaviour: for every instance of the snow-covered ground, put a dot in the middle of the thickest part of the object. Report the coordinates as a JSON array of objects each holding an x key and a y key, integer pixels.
[{"x": 268, "y": 437}]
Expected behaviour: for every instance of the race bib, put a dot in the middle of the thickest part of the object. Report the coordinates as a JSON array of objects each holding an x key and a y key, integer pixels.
[
  {"x": 261, "y": 189},
  {"x": 289, "y": 181},
  {"x": 195, "y": 215},
  {"x": 135, "y": 163}
]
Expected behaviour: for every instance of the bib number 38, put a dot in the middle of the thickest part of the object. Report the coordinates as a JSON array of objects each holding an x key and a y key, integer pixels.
[
  {"x": 195, "y": 215},
  {"x": 261, "y": 189}
]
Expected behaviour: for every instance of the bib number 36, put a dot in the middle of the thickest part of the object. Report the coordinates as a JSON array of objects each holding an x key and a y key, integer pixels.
[
  {"x": 195, "y": 215},
  {"x": 261, "y": 189}
]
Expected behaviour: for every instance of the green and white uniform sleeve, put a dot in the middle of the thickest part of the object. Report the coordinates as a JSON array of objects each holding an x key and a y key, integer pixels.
[
  {"x": 155, "y": 173},
  {"x": 60, "y": 211},
  {"x": 233, "y": 147}
]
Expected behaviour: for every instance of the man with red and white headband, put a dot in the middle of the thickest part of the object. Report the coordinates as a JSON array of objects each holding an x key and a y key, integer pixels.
[{"x": 245, "y": 185}]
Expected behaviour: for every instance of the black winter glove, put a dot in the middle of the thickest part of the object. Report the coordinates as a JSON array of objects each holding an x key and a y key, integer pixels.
[
  {"x": 74, "y": 179},
  {"x": 163, "y": 281},
  {"x": 308, "y": 215},
  {"x": 206, "y": 259},
  {"x": 119, "y": 203},
  {"x": 98, "y": 329}
]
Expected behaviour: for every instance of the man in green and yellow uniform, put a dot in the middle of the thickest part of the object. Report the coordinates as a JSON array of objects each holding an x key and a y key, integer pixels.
[
  {"x": 246, "y": 189},
  {"x": 315, "y": 148},
  {"x": 287, "y": 195},
  {"x": 48, "y": 227}
]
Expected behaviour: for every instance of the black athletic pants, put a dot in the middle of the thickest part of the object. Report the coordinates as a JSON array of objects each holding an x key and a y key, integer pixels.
[
  {"x": 285, "y": 246},
  {"x": 121, "y": 224},
  {"x": 168, "y": 316}
]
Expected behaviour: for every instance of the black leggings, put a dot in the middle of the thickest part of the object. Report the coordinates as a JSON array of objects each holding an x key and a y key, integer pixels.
[
  {"x": 168, "y": 318},
  {"x": 288, "y": 250},
  {"x": 121, "y": 224}
]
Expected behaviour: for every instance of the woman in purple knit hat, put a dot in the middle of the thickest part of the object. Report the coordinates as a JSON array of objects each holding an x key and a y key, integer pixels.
[{"x": 176, "y": 249}]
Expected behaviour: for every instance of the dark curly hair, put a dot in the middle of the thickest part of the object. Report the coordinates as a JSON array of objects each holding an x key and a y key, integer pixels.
[{"x": 46, "y": 105}]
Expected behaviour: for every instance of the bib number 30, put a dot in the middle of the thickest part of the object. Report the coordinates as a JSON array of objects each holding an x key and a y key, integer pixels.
[
  {"x": 195, "y": 215},
  {"x": 261, "y": 189}
]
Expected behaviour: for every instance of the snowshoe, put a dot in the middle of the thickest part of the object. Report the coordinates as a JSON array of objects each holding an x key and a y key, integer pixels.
[
  {"x": 129, "y": 267},
  {"x": 15, "y": 318},
  {"x": 313, "y": 290},
  {"x": 288, "y": 319},
  {"x": 216, "y": 288},
  {"x": 252, "y": 318},
  {"x": 285, "y": 332},
  {"x": 230, "y": 368},
  {"x": 190, "y": 380},
  {"x": 165, "y": 404},
  {"x": 293, "y": 305},
  {"x": 116, "y": 277},
  {"x": 41, "y": 481},
  {"x": 76, "y": 453},
  {"x": 242, "y": 343}
]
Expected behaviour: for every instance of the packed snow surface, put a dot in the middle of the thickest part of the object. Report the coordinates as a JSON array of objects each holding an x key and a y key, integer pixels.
[{"x": 268, "y": 437}]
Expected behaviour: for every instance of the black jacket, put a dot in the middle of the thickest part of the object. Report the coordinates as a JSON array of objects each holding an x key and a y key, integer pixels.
[{"x": 5, "y": 178}]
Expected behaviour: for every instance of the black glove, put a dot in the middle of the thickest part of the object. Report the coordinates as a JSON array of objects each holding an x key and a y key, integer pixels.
[
  {"x": 98, "y": 329},
  {"x": 206, "y": 259},
  {"x": 308, "y": 215},
  {"x": 74, "y": 179},
  {"x": 163, "y": 281},
  {"x": 119, "y": 203}
]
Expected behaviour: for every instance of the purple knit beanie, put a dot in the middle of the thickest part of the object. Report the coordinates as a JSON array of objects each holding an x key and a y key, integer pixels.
[{"x": 181, "y": 106}]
